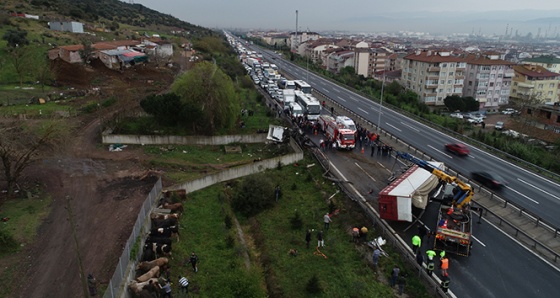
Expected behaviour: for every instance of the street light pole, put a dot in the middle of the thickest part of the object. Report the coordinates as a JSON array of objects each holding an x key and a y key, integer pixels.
[{"x": 380, "y": 105}]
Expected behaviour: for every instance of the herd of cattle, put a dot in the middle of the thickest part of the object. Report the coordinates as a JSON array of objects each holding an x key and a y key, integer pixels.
[{"x": 157, "y": 247}]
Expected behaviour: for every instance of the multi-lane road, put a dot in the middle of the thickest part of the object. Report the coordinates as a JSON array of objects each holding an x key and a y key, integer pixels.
[
  {"x": 500, "y": 266},
  {"x": 528, "y": 190}
]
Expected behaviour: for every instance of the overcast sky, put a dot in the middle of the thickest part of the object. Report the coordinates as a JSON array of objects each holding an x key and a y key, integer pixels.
[{"x": 356, "y": 15}]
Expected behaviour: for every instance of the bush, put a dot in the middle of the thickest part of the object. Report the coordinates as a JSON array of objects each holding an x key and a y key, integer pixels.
[
  {"x": 8, "y": 243},
  {"x": 228, "y": 222},
  {"x": 313, "y": 285},
  {"x": 296, "y": 221},
  {"x": 255, "y": 194}
]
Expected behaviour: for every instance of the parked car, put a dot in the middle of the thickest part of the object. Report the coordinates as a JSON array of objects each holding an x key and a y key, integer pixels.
[
  {"x": 489, "y": 179},
  {"x": 475, "y": 120},
  {"x": 509, "y": 111},
  {"x": 499, "y": 125},
  {"x": 456, "y": 115},
  {"x": 457, "y": 148}
]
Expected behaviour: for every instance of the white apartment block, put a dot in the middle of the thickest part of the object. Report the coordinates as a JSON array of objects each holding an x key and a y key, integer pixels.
[
  {"x": 368, "y": 61},
  {"x": 488, "y": 80},
  {"x": 433, "y": 75}
]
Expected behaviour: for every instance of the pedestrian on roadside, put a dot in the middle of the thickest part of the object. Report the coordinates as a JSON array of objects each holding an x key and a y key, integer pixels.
[
  {"x": 194, "y": 260},
  {"x": 416, "y": 243},
  {"x": 401, "y": 282},
  {"x": 444, "y": 266},
  {"x": 308, "y": 237},
  {"x": 277, "y": 192},
  {"x": 445, "y": 283},
  {"x": 327, "y": 220},
  {"x": 430, "y": 266},
  {"x": 166, "y": 289},
  {"x": 442, "y": 254},
  {"x": 320, "y": 240},
  {"x": 419, "y": 259},
  {"x": 422, "y": 231},
  {"x": 372, "y": 148},
  {"x": 375, "y": 257},
  {"x": 92, "y": 285},
  {"x": 394, "y": 276},
  {"x": 184, "y": 283}
]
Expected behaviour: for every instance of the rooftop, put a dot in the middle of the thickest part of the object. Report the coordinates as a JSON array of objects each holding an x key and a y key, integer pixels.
[
  {"x": 543, "y": 59},
  {"x": 535, "y": 71}
]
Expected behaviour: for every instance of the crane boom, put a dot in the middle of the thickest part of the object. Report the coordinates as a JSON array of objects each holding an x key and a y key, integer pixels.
[{"x": 462, "y": 197}]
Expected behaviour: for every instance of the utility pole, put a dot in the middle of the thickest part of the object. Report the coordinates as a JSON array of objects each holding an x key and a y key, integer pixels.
[{"x": 73, "y": 226}]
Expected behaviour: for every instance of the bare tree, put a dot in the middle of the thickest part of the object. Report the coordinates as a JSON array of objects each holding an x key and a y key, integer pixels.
[
  {"x": 527, "y": 118},
  {"x": 20, "y": 143},
  {"x": 20, "y": 58}
]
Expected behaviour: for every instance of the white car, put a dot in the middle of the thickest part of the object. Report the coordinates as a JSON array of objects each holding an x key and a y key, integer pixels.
[
  {"x": 508, "y": 111},
  {"x": 456, "y": 115},
  {"x": 475, "y": 120}
]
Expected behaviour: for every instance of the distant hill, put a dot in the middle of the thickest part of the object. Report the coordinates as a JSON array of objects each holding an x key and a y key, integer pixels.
[{"x": 109, "y": 11}]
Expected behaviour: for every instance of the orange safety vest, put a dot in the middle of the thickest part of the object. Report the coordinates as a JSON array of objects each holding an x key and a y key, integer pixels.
[{"x": 445, "y": 263}]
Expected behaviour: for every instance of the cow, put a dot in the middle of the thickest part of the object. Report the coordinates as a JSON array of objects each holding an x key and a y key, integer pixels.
[
  {"x": 137, "y": 287},
  {"x": 175, "y": 208},
  {"x": 164, "y": 223},
  {"x": 159, "y": 249},
  {"x": 165, "y": 232},
  {"x": 163, "y": 216},
  {"x": 148, "y": 254},
  {"x": 181, "y": 193},
  {"x": 159, "y": 240},
  {"x": 146, "y": 266},
  {"x": 154, "y": 272}
]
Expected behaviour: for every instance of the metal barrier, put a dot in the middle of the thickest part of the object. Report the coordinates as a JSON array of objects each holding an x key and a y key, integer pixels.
[{"x": 122, "y": 271}]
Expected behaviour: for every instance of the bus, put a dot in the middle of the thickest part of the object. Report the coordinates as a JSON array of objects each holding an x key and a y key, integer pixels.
[
  {"x": 310, "y": 105},
  {"x": 303, "y": 86},
  {"x": 290, "y": 85}
]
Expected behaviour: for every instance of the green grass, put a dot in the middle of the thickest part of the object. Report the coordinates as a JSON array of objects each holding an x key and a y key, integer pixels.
[
  {"x": 188, "y": 162},
  {"x": 35, "y": 110},
  {"x": 344, "y": 273}
]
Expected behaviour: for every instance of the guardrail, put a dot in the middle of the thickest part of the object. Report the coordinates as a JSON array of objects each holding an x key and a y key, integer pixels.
[
  {"x": 538, "y": 169},
  {"x": 386, "y": 230}
]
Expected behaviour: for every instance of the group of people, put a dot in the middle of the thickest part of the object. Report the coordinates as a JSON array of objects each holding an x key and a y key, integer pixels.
[{"x": 430, "y": 254}]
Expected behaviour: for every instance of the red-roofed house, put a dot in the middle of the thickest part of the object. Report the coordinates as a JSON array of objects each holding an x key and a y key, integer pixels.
[
  {"x": 488, "y": 80},
  {"x": 535, "y": 81},
  {"x": 433, "y": 75},
  {"x": 71, "y": 53}
]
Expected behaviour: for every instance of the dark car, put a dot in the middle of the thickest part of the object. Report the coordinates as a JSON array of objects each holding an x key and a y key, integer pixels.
[
  {"x": 458, "y": 148},
  {"x": 489, "y": 179}
]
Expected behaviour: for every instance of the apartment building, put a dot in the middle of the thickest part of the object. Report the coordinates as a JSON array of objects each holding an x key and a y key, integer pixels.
[
  {"x": 551, "y": 63},
  {"x": 370, "y": 60},
  {"x": 296, "y": 39},
  {"x": 433, "y": 75},
  {"x": 488, "y": 80},
  {"x": 534, "y": 81},
  {"x": 339, "y": 59}
]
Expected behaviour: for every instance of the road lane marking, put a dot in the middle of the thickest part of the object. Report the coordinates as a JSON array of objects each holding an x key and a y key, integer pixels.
[
  {"x": 449, "y": 156},
  {"x": 411, "y": 127},
  {"x": 362, "y": 110},
  {"x": 478, "y": 240},
  {"x": 353, "y": 98},
  {"x": 393, "y": 126},
  {"x": 365, "y": 171},
  {"x": 530, "y": 250},
  {"x": 531, "y": 185},
  {"x": 341, "y": 98},
  {"x": 336, "y": 90},
  {"x": 515, "y": 191},
  {"x": 327, "y": 91}
]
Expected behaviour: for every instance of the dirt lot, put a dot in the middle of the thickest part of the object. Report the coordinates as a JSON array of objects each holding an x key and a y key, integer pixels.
[{"x": 105, "y": 190}]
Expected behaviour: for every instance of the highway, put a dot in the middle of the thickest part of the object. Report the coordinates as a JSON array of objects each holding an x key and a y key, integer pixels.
[
  {"x": 499, "y": 266},
  {"x": 530, "y": 191}
]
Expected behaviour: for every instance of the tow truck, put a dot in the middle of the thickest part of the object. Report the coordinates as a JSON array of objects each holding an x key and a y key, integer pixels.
[{"x": 454, "y": 222}]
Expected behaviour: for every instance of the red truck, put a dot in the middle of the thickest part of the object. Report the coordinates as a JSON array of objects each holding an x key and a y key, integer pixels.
[{"x": 343, "y": 137}]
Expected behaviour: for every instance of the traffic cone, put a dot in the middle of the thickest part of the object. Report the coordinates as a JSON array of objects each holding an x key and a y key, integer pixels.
[{"x": 362, "y": 150}]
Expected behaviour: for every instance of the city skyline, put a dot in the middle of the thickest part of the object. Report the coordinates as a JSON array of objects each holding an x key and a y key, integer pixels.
[{"x": 436, "y": 17}]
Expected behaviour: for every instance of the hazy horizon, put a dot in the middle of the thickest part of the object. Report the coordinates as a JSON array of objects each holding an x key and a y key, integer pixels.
[{"x": 436, "y": 16}]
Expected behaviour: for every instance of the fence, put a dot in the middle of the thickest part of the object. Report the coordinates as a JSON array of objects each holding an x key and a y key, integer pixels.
[
  {"x": 182, "y": 140},
  {"x": 124, "y": 270}
]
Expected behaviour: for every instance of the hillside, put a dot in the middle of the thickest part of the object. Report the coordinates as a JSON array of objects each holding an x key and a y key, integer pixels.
[{"x": 108, "y": 14}]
